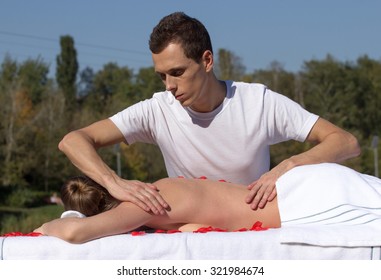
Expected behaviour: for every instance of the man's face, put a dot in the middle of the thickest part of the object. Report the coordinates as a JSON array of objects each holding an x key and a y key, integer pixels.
[{"x": 182, "y": 76}]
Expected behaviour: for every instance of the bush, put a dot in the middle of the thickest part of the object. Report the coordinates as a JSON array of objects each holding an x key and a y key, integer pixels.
[
  {"x": 4, "y": 193},
  {"x": 23, "y": 197},
  {"x": 26, "y": 220}
]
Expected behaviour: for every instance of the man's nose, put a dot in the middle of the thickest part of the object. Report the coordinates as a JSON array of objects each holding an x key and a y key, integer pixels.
[{"x": 170, "y": 83}]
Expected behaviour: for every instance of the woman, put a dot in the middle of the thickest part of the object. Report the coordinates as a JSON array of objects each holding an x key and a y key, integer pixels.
[
  {"x": 193, "y": 203},
  {"x": 307, "y": 194}
]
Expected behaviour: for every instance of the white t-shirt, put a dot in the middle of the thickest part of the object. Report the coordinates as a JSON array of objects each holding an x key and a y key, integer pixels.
[{"x": 230, "y": 143}]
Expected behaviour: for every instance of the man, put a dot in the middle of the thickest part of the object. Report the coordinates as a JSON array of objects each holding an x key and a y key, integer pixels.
[{"x": 205, "y": 127}]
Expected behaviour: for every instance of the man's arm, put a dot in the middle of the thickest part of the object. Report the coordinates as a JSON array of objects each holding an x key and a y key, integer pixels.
[
  {"x": 333, "y": 145},
  {"x": 80, "y": 146}
]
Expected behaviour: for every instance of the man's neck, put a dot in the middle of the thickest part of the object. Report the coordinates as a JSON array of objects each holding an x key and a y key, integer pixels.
[{"x": 216, "y": 96}]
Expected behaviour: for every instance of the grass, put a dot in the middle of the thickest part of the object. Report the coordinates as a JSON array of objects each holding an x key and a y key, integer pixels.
[{"x": 25, "y": 220}]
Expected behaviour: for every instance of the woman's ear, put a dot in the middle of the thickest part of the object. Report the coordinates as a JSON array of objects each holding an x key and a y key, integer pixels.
[{"x": 208, "y": 61}]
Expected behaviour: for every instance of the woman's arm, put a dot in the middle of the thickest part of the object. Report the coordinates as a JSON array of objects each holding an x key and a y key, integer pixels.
[{"x": 123, "y": 218}]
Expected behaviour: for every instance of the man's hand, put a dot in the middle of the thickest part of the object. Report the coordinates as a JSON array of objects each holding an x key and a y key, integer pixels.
[
  {"x": 262, "y": 191},
  {"x": 144, "y": 195},
  {"x": 333, "y": 145}
]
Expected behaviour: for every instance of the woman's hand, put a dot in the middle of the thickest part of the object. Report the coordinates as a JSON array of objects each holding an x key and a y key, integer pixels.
[{"x": 39, "y": 230}]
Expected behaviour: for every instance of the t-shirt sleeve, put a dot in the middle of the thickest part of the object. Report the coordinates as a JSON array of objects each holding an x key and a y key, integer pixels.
[
  {"x": 286, "y": 119},
  {"x": 136, "y": 122}
]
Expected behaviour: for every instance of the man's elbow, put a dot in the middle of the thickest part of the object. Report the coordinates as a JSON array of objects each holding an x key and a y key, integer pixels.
[
  {"x": 69, "y": 140},
  {"x": 63, "y": 143},
  {"x": 354, "y": 145}
]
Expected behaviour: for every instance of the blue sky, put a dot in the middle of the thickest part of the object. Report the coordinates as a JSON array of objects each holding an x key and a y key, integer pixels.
[{"x": 259, "y": 32}]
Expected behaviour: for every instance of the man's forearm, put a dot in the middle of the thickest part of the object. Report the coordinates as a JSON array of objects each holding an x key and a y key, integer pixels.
[
  {"x": 336, "y": 147},
  {"x": 81, "y": 151}
]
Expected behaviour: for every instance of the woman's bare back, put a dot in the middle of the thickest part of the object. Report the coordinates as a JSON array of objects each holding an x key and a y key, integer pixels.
[{"x": 210, "y": 203}]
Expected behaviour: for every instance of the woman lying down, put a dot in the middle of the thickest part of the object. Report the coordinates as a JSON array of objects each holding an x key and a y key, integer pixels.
[{"x": 323, "y": 194}]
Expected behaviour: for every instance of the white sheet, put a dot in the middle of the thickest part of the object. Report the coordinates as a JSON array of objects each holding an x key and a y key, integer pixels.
[
  {"x": 263, "y": 245},
  {"x": 330, "y": 205}
]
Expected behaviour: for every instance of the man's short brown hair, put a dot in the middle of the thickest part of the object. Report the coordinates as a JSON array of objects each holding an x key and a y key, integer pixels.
[{"x": 180, "y": 28}]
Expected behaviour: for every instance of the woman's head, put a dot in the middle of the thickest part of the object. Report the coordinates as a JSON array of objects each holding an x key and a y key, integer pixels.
[
  {"x": 179, "y": 28},
  {"x": 82, "y": 194}
]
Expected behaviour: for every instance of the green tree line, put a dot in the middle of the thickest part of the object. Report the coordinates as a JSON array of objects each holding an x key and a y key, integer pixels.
[{"x": 37, "y": 111}]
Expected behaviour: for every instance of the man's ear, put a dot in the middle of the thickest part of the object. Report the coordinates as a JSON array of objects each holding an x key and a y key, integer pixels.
[{"x": 208, "y": 60}]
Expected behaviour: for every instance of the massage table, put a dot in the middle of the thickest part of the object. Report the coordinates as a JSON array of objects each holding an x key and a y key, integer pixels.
[
  {"x": 340, "y": 219},
  {"x": 262, "y": 245}
]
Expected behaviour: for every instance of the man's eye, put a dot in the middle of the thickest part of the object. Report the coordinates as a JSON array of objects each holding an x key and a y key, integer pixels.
[{"x": 177, "y": 73}]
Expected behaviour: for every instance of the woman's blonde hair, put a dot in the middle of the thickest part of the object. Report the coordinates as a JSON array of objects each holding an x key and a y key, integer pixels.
[{"x": 82, "y": 194}]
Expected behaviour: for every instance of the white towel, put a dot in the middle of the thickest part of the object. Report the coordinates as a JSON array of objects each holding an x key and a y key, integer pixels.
[
  {"x": 72, "y": 214},
  {"x": 330, "y": 205}
]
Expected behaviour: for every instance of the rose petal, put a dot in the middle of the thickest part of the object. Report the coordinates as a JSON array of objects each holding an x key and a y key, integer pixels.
[
  {"x": 137, "y": 233},
  {"x": 173, "y": 231},
  {"x": 18, "y": 233},
  {"x": 258, "y": 227},
  {"x": 242, "y": 229}
]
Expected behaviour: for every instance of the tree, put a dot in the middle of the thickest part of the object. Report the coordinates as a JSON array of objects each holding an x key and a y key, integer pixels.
[
  {"x": 328, "y": 91},
  {"x": 229, "y": 66},
  {"x": 53, "y": 166},
  {"x": 33, "y": 76},
  {"x": 111, "y": 90},
  {"x": 18, "y": 118},
  {"x": 366, "y": 83},
  {"x": 147, "y": 82},
  {"x": 67, "y": 68},
  {"x": 277, "y": 79},
  {"x": 86, "y": 82}
]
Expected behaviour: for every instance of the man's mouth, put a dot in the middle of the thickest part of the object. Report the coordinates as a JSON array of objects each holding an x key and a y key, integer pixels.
[{"x": 179, "y": 96}]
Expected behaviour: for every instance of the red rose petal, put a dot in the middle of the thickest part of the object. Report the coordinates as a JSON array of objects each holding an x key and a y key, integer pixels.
[
  {"x": 258, "y": 227},
  {"x": 18, "y": 233},
  {"x": 209, "y": 229},
  {"x": 34, "y": 234},
  {"x": 242, "y": 229},
  {"x": 219, "y": 230},
  {"x": 173, "y": 231},
  {"x": 201, "y": 230},
  {"x": 137, "y": 233}
]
